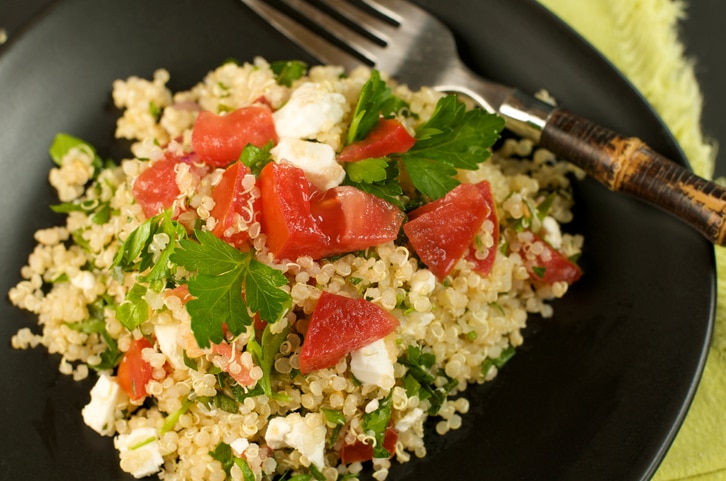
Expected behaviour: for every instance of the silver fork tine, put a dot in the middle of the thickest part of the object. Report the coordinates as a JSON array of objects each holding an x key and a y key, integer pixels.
[
  {"x": 373, "y": 25},
  {"x": 321, "y": 48},
  {"x": 360, "y": 44}
]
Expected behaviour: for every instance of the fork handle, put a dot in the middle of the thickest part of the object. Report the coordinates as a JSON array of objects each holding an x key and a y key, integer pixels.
[{"x": 627, "y": 164}]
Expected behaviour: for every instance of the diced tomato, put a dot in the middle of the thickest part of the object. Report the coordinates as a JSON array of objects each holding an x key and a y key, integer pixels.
[
  {"x": 220, "y": 139},
  {"x": 231, "y": 201},
  {"x": 484, "y": 266},
  {"x": 155, "y": 189},
  {"x": 182, "y": 292},
  {"x": 354, "y": 220},
  {"x": 134, "y": 372},
  {"x": 340, "y": 325},
  {"x": 286, "y": 218},
  {"x": 389, "y": 136},
  {"x": 442, "y": 230},
  {"x": 360, "y": 451},
  {"x": 549, "y": 265},
  {"x": 234, "y": 366}
]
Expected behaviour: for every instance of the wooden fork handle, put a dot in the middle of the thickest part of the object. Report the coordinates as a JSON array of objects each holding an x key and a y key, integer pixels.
[{"x": 627, "y": 164}]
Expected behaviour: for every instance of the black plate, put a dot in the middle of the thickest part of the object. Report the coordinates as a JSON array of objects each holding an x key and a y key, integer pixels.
[{"x": 597, "y": 393}]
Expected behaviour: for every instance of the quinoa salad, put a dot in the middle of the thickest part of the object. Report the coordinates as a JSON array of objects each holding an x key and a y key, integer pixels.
[{"x": 295, "y": 272}]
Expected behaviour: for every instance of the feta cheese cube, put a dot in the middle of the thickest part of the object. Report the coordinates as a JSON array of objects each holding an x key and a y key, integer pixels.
[
  {"x": 139, "y": 452},
  {"x": 306, "y": 434},
  {"x": 100, "y": 413},
  {"x": 315, "y": 158},
  {"x": 372, "y": 364},
  {"x": 553, "y": 235},
  {"x": 167, "y": 335},
  {"x": 312, "y": 109}
]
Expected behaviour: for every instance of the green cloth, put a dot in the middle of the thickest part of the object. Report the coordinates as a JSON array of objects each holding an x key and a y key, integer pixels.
[{"x": 641, "y": 38}]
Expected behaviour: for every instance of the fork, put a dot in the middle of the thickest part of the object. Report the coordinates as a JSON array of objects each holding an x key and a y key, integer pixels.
[{"x": 415, "y": 48}]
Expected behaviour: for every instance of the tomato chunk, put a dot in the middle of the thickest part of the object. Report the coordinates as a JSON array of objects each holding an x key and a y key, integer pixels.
[
  {"x": 354, "y": 220},
  {"x": 233, "y": 365},
  {"x": 388, "y": 137},
  {"x": 220, "y": 139},
  {"x": 286, "y": 218},
  {"x": 133, "y": 371},
  {"x": 233, "y": 200},
  {"x": 544, "y": 262},
  {"x": 360, "y": 451},
  {"x": 481, "y": 256},
  {"x": 340, "y": 325},
  {"x": 155, "y": 189},
  {"x": 442, "y": 230}
]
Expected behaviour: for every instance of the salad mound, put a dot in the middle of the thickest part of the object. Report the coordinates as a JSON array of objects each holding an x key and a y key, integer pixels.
[{"x": 297, "y": 269}]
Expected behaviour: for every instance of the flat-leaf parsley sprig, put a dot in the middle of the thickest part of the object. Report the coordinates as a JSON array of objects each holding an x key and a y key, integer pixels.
[{"x": 220, "y": 276}]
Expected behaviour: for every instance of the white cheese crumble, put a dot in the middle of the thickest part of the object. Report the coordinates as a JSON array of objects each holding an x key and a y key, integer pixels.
[
  {"x": 311, "y": 110},
  {"x": 306, "y": 434},
  {"x": 139, "y": 452},
  {"x": 167, "y": 335},
  {"x": 315, "y": 158},
  {"x": 100, "y": 413},
  {"x": 372, "y": 364},
  {"x": 553, "y": 235}
]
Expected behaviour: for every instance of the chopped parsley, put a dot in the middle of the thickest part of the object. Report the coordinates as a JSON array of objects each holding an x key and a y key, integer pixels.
[
  {"x": 222, "y": 273},
  {"x": 376, "y": 423},
  {"x": 376, "y": 176},
  {"x": 256, "y": 158},
  {"x": 453, "y": 138},
  {"x": 375, "y": 100},
  {"x": 287, "y": 71},
  {"x": 498, "y": 362}
]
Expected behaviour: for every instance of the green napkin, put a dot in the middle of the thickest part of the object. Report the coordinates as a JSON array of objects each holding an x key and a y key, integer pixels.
[{"x": 641, "y": 38}]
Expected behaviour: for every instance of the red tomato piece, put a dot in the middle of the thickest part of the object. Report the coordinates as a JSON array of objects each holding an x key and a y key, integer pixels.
[
  {"x": 133, "y": 372},
  {"x": 155, "y": 189},
  {"x": 442, "y": 230},
  {"x": 220, "y": 139},
  {"x": 360, "y": 451},
  {"x": 389, "y": 136},
  {"x": 340, "y": 325},
  {"x": 286, "y": 218},
  {"x": 547, "y": 265},
  {"x": 231, "y": 201},
  {"x": 233, "y": 365},
  {"x": 484, "y": 266},
  {"x": 354, "y": 220}
]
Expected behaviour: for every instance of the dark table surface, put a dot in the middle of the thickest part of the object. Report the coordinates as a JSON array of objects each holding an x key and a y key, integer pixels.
[{"x": 702, "y": 32}]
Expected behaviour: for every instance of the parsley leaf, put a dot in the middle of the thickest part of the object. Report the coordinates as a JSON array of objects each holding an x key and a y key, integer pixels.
[
  {"x": 377, "y": 422},
  {"x": 375, "y": 99},
  {"x": 134, "y": 310},
  {"x": 135, "y": 253},
  {"x": 376, "y": 176},
  {"x": 500, "y": 361},
  {"x": 222, "y": 274},
  {"x": 421, "y": 381},
  {"x": 63, "y": 143},
  {"x": 256, "y": 158},
  {"x": 263, "y": 353},
  {"x": 454, "y": 138},
  {"x": 286, "y": 71}
]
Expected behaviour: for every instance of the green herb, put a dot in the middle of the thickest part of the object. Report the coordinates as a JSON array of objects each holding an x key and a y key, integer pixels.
[
  {"x": 544, "y": 207},
  {"x": 221, "y": 274},
  {"x": 539, "y": 271},
  {"x": 263, "y": 353},
  {"x": 421, "y": 381},
  {"x": 223, "y": 454},
  {"x": 337, "y": 419},
  {"x": 155, "y": 110},
  {"x": 498, "y": 362},
  {"x": 287, "y": 71},
  {"x": 95, "y": 324},
  {"x": 135, "y": 255},
  {"x": 256, "y": 158},
  {"x": 225, "y": 403},
  {"x": 100, "y": 212},
  {"x": 189, "y": 362},
  {"x": 376, "y": 176},
  {"x": 375, "y": 100},
  {"x": 173, "y": 418},
  {"x": 453, "y": 138},
  {"x": 134, "y": 310},
  {"x": 377, "y": 422},
  {"x": 317, "y": 474},
  {"x": 64, "y": 143}
]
